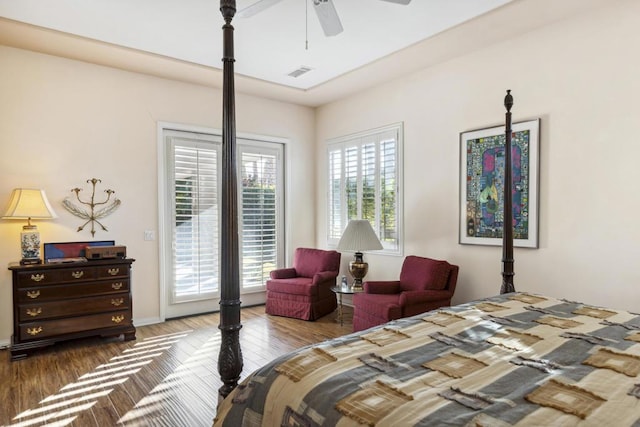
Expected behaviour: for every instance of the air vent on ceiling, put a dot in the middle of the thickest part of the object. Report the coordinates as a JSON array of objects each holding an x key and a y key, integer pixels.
[{"x": 300, "y": 71}]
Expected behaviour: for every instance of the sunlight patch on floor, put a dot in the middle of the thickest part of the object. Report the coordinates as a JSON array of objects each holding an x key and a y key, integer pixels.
[
  {"x": 60, "y": 409},
  {"x": 188, "y": 372}
]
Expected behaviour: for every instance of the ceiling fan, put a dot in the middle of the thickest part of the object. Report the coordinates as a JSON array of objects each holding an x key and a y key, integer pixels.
[{"x": 326, "y": 11}]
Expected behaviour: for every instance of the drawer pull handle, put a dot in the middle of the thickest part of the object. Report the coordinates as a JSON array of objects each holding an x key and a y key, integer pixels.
[
  {"x": 34, "y": 331},
  {"x": 116, "y": 286},
  {"x": 77, "y": 274},
  {"x": 33, "y": 312},
  {"x": 33, "y": 294},
  {"x": 117, "y": 319},
  {"x": 37, "y": 277},
  {"x": 113, "y": 271},
  {"x": 117, "y": 302}
]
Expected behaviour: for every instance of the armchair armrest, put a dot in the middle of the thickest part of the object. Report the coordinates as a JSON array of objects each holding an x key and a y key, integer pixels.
[
  {"x": 382, "y": 287},
  {"x": 421, "y": 297},
  {"x": 322, "y": 276},
  {"x": 283, "y": 273}
]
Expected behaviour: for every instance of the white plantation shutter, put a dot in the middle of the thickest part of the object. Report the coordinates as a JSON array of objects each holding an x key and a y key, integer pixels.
[
  {"x": 260, "y": 213},
  {"x": 389, "y": 183},
  {"x": 364, "y": 183},
  {"x": 335, "y": 202},
  {"x": 352, "y": 181},
  {"x": 369, "y": 190},
  {"x": 195, "y": 219}
]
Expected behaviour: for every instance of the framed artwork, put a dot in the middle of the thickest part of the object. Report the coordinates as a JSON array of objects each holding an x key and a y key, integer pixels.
[{"x": 482, "y": 184}]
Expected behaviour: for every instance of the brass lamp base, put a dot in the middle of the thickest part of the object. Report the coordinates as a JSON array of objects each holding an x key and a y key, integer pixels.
[{"x": 358, "y": 269}]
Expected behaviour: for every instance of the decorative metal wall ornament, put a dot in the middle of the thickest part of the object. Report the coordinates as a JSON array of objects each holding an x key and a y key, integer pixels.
[{"x": 93, "y": 215}]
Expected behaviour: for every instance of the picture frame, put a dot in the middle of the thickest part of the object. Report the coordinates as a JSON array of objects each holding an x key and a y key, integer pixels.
[{"x": 482, "y": 182}]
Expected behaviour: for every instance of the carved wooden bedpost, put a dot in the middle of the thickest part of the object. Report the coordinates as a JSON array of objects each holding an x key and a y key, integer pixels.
[
  {"x": 230, "y": 357},
  {"x": 507, "y": 230}
]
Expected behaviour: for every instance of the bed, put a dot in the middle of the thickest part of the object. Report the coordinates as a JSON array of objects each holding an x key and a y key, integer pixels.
[{"x": 512, "y": 359}]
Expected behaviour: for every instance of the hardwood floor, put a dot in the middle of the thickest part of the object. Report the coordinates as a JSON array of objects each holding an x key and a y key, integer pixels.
[{"x": 166, "y": 377}]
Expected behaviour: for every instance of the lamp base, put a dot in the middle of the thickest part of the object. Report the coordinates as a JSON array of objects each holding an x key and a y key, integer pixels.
[
  {"x": 358, "y": 269},
  {"x": 30, "y": 245}
]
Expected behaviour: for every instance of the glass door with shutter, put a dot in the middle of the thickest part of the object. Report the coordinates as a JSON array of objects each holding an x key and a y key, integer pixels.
[
  {"x": 192, "y": 217},
  {"x": 261, "y": 207}
]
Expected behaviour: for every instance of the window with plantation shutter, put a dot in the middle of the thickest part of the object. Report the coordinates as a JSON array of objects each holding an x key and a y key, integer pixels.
[
  {"x": 260, "y": 178},
  {"x": 192, "y": 193},
  {"x": 365, "y": 183}
]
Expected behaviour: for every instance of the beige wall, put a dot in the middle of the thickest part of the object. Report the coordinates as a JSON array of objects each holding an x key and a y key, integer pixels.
[
  {"x": 581, "y": 77},
  {"x": 63, "y": 122}
]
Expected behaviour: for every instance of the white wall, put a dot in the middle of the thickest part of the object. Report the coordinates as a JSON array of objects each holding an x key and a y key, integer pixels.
[
  {"x": 63, "y": 122},
  {"x": 581, "y": 77}
]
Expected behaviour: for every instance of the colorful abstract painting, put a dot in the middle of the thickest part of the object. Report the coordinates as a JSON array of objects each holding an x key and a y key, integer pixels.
[{"x": 482, "y": 184}]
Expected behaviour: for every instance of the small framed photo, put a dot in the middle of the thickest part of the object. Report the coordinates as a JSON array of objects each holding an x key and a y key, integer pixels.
[{"x": 482, "y": 184}]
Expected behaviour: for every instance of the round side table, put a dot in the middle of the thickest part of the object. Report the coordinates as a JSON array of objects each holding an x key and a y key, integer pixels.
[{"x": 343, "y": 290}]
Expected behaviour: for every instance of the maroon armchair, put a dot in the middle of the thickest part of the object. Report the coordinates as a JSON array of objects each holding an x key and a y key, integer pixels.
[
  {"x": 304, "y": 290},
  {"x": 425, "y": 284}
]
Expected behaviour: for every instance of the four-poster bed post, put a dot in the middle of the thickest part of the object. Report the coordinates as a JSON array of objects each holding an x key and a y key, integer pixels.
[
  {"x": 507, "y": 226},
  {"x": 230, "y": 357}
]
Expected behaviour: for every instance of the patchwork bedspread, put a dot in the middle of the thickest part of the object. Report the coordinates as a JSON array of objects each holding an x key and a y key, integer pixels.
[{"x": 512, "y": 360}]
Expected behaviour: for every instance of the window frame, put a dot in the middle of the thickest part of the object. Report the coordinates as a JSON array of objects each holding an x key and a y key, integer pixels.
[{"x": 338, "y": 147}]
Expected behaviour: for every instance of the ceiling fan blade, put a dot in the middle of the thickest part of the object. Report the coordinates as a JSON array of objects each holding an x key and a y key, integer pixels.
[
  {"x": 405, "y": 2},
  {"x": 328, "y": 17},
  {"x": 257, "y": 7}
]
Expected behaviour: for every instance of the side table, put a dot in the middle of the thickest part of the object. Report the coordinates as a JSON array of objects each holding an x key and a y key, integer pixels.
[{"x": 342, "y": 290}]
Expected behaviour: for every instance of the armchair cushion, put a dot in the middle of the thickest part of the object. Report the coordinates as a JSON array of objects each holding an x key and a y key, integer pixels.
[
  {"x": 381, "y": 287},
  {"x": 294, "y": 285},
  {"x": 424, "y": 273},
  {"x": 308, "y": 261}
]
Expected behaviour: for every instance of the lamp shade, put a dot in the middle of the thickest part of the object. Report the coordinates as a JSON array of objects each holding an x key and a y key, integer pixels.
[
  {"x": 359, "y": 236},
  {"x": 29, "y": 203}
]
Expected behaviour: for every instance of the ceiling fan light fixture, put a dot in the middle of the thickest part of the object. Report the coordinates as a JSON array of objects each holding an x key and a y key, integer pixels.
[
  {"x": 325, "y": 9},
  {"x": 328, "y": 17}
]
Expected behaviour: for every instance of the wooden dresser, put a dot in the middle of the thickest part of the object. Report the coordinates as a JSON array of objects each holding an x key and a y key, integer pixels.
[{"x": 56, "y": 302}]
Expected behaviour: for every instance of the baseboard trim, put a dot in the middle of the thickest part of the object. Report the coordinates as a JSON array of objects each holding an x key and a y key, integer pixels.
[
  {"x": 147, "y": 321},
  {"x": 4, "y": 344}
]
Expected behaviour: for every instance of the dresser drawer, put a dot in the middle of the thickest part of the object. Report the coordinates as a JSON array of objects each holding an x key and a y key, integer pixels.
[
  {"x": 39, "y": 278},
  {"x": 49, "y": 328},
  {"x": 47, "y": 277},
  {"x": 57, "y": 292},
  {"x": 112, "y": 271},
  {"x": 72, "y": 307}
]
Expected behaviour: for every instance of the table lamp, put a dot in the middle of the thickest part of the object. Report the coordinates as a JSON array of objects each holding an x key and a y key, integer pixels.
[
  {"x": 29, "y": 203},
  {"x": 358, "y": 236}
]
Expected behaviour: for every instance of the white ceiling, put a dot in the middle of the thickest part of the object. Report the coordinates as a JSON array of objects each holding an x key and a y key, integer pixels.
[
  {"x": 182, "y": 39},
  {"x": 269, "y": 45}
]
